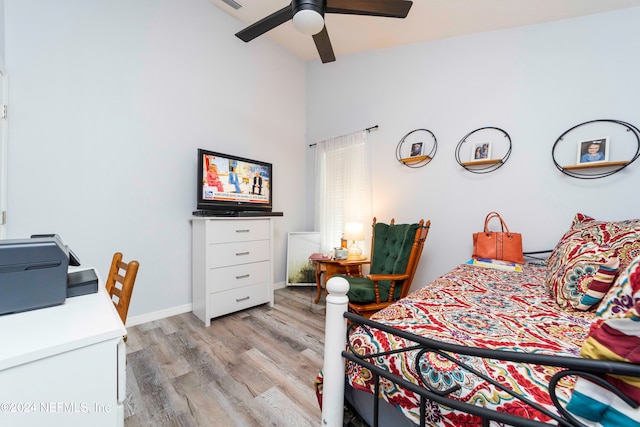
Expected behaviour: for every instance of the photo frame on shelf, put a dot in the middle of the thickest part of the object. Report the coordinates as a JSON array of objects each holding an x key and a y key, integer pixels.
[
  {"x": 480, "y": 151},
  {"x": 416, "y": 149},
  {"x": 300, "y": 269},
  {"x": 593, "y": 151}
]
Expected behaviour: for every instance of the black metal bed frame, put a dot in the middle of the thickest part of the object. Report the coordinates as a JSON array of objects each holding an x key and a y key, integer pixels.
[{"x": 572, "y": 366}]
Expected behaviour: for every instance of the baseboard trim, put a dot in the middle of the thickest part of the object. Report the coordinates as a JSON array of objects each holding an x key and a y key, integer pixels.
[
  {"x": 172, "y": 311},
  {"x": 157, "y": 315}
]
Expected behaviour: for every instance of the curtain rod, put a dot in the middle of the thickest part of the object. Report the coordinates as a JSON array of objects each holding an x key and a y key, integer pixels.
[{"x": 363, "y": 130}]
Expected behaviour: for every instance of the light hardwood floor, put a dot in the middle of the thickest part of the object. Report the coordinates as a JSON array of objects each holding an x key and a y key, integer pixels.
[{"x": 251, "y": 368}]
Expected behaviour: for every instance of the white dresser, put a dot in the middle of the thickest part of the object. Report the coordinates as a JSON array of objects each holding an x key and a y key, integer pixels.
[
  {"x": 232, "y": 265},
  {"x": 64, "y": 365}
]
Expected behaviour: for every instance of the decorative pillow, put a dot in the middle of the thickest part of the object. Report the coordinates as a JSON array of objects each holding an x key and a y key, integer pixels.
[
  {"x": 599, "y": 285},
  {"x": 622, "y": 236},
  {"x": 574, "y": 234},
  {"x": 579, "y": 223},
  {"x": 624, "y": 294},
  {"x": 617, "y": 338},
  {"x": 580, "y": 253},
  {"x": 581, "y": 274}
]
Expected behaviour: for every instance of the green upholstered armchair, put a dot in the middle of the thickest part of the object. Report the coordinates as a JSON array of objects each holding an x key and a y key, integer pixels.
[{"x": 395, "y": 253}]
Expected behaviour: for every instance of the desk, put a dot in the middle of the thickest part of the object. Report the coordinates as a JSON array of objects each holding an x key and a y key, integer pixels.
[
  {"x": 325, "y": 268},
  {"x": 64, "y": 365}
]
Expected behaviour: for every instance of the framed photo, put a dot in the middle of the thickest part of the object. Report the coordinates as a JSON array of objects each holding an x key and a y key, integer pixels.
[
  {"x": 300, "y": 269},
  {"x": 416, "y": 149},
  {"x": 593, "y": 150},
  {"x": 480, "y": 151}
]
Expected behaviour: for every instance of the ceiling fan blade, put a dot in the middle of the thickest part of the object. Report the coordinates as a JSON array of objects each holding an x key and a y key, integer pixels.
[
  {"x": 387, "y": 8},
  {"x": 266, "y": 24},
  {"x": 323, "y": 44}
]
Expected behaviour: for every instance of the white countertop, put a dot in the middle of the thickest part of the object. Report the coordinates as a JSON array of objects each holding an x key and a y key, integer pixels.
[{"x": 79, "y": 322}]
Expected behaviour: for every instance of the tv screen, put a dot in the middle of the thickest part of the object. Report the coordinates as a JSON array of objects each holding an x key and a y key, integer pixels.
[{"x": 230, "y": 183}]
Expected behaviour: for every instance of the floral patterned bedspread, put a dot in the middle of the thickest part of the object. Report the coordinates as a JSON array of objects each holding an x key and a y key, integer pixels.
[{"x": 480, "y": 307}]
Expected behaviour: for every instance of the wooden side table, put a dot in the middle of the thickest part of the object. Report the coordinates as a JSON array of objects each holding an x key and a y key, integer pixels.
[{"x": 325, "y": 268}]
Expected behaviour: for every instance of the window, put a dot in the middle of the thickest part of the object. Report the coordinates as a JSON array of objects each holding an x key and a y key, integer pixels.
[{"x": 343, "y": 186}]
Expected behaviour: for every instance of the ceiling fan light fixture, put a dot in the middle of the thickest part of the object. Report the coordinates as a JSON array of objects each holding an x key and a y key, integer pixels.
[{"x": 308, "y": 16}]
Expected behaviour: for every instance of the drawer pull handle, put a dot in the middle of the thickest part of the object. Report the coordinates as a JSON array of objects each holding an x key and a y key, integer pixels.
[
  {"x": 242, "y": 231},
  {"x": 244, "y": 276},
  {"x": 242, "y": 299},
  {"x": 242, "y": 253}
]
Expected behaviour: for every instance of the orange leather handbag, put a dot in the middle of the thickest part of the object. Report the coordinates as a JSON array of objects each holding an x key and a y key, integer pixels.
[{"x": 503, "y": 245}]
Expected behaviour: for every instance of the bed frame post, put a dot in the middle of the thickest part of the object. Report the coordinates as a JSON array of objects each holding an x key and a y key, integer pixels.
[{"x": 335, "y": 341}]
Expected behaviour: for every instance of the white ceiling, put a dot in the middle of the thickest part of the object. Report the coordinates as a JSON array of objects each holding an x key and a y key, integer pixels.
[{"x": 427, "y": 20}]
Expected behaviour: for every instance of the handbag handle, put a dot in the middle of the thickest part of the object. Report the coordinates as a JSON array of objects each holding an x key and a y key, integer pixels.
[{"x": 492, "y": 215}]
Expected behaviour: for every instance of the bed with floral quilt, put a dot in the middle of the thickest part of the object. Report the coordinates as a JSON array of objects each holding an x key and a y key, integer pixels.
[{"x": 555, "y": 343}]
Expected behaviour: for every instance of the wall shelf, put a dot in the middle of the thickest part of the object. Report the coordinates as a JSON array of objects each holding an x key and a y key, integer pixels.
[
  {"x": 481, "y": 162},
  {"x": 415, "y": 159},
  {"x": 597, "y": 165},
  {"x": 427, "y": 143},
  {"x": 500, "y": 146},
  {"x": 624, "y": 144}
]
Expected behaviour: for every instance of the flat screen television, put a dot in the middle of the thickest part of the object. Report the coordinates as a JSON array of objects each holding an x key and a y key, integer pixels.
[{"x": 229, "y": 185}]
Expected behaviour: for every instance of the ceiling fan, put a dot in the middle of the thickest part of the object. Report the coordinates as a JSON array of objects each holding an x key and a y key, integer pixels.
[{"x": 308, "y": 18}]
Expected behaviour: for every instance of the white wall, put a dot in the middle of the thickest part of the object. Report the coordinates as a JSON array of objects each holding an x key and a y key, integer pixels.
[
  {"x": 2, "y": 56},
  {"x": 534, "y": 82},
  {"x": 109, "y": 101}
]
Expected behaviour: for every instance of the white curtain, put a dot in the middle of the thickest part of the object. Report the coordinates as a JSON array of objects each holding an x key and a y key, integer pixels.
[{"x": 343, "y": 186}]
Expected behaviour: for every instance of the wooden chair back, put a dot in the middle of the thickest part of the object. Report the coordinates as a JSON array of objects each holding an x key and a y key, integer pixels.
[
  {"x": 120, "y": 281},
  {"x": 416, "y": 252}
]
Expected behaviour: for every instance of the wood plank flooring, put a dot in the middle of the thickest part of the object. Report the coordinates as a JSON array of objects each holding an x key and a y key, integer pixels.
[{"x": 251, "y": 368}]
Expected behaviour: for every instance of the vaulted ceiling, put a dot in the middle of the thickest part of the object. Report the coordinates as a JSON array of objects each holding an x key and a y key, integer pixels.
[{"x": 427, "y": 20}]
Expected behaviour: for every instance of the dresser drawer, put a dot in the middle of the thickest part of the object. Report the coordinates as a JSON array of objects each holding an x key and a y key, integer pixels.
[
  {"x": 237, "y": 230},
  {"x": 228, "y": 254},
  {"x": 221, "y": 303},
  {"x": 224, "y": 278}
]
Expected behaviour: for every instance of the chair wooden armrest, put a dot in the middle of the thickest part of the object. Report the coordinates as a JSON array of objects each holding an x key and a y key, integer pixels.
[{"x": 392, "y": 277}]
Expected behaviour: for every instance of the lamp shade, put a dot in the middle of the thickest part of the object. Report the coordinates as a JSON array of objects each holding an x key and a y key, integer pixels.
[{"x": 353, "y": 231}]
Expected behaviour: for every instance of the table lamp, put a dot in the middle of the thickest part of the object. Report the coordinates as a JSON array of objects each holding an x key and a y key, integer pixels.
[{"x": 353, "y": 231}]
